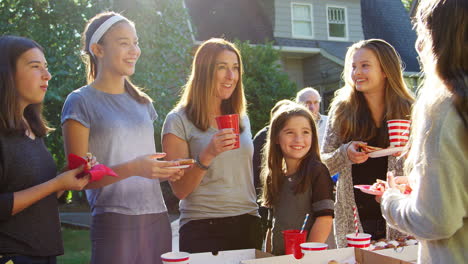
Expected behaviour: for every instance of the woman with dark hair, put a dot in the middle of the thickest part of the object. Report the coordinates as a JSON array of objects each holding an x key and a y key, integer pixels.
[
  {"x": 218, "y": 207},
  {"x": 374, "y": 92},
  {"x": 113, "y": 119},
  {"x": 436, "y": 211},
  {"x": 29, "y": 220}
]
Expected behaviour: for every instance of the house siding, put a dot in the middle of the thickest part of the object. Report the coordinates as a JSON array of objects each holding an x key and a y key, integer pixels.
[
  {"x": 293, "y": 67},
  {"x": 283, "y": 26},
  {"x": 319, "y": 70}
]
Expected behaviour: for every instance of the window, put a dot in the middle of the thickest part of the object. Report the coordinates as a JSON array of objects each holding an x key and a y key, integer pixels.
[
  {"x": 301, "y": 15},
  {"x": 336, "y": 22}
]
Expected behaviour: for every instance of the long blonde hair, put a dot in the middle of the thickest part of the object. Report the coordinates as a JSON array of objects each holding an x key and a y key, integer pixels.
[
  {"x": 273, "y": 159},
  {"x": 91, "y": 62},
  {"x": 200, "y": 88},
  {"x": 349, "y": 107}
]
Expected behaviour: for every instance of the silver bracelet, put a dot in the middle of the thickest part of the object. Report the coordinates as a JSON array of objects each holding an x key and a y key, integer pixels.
[{"x": 199, "y": 164}]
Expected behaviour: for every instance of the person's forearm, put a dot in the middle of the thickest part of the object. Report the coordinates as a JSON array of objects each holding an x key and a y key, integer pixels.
[
  {"x": 25, "y": 198},
  {"x": 321, "y": 229}
]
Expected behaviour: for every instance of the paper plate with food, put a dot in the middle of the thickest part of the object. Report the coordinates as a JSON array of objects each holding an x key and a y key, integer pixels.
[
  {"x": 183, "y": 164},
  {"x": 377, "y": 188},
  {"x": 376, "y": 152}
]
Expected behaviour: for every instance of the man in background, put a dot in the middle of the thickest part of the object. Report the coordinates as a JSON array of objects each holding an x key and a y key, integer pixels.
[{"x": 311, "y": 99}]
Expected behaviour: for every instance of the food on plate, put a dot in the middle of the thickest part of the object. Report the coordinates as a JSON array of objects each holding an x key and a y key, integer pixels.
[
  {"x": 404, "y": 188},
  {"x": 368, "y": 149},
  {"x": 379, "y": 186},
  {"x": 333, "y": 262},
  {"x": 401, "y": 241},
  {"x": 89, "y": 159},
  {"x": 185, "y": 161}
]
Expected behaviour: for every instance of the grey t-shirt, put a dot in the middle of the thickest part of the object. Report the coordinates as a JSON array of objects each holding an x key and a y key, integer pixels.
[
  {"x": 290, "y": 209},
  {"x": 227, "y": 188},
  {"x": 120, "y": 129}
]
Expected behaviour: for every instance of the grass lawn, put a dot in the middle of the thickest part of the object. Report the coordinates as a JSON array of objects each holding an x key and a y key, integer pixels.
[{"x": 77, "y": 247}]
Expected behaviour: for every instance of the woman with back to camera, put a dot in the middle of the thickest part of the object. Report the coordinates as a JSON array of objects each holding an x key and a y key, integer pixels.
[
  {"x": 29, "y": 219},
  {"x": 113, "y": 119},
  {"x": 374, "y": 92},
  {"x": 218, "y": 202},
  {"x": 436, "y": 211}
]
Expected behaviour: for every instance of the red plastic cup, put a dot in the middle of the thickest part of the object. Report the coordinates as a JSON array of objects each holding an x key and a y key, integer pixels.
[
  {"x": 230, "y": 121},
  {"x": 398, "y": 132},
  {"x": 292, "y": 242}
]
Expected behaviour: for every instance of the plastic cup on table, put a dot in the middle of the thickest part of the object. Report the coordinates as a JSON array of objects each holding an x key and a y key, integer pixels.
[
  {"x": 293, "y": 239},
  {"x": 309, "y": 247},
  {"x": 175, "y": 258},
  {"x": 362, "y": 240},
  {"x": 230, "y": 121},
  {"x": 398, "y": 132}
]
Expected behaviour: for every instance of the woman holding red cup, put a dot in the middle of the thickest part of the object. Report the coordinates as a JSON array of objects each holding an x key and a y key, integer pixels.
[
  {"x": 218, "y": 201},
  {"x": 374, "y": 92}
]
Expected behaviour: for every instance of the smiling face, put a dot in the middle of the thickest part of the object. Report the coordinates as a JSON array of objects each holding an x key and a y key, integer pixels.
[
  {"x": 31, "y": 77},
  {"x": 295, "y": 140},
  {"x": 226, "y": 74},
  {"x": 367, "y": 74},
  {"x": 119, "y": 50}
]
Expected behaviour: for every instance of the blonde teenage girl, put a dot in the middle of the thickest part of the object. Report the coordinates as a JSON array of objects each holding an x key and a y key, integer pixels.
[{"x": 374, "y": 92}]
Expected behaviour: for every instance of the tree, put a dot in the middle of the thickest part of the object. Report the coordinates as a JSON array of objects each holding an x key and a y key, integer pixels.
[{"x": 264, "y": 80}]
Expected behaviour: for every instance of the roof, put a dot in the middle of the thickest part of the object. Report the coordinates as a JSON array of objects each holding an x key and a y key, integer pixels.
[
  {"x": 246, "y": 20},
  {"x": 252, "y": 20},
  {"x": 335, "y": 48},
  {"x": 389, "y": 20}
]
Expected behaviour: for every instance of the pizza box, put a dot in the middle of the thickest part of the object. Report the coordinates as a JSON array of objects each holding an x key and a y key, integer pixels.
[
  {"x": 406, "y": 255},
  {"x": 227, "y": 257}
]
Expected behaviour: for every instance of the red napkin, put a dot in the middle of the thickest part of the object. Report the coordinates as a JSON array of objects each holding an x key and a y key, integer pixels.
[{"x": 96, "y": 172}]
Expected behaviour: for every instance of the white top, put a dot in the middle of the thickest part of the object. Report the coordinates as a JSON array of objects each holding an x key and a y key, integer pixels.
[{"x": 436, "y": 212}]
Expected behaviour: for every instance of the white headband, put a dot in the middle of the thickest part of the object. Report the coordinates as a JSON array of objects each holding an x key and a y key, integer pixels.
[{"x": 103, "y": 29}]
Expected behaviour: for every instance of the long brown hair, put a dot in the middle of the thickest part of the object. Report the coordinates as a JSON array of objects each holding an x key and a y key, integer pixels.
[
  {"x": 349, "y": 107},
  {"x": 11, "y": 120},
  {"x": 91, "y": 62},
  {"x": 442, "y": 27},
  {"x": 200, "y": 88},
  {"x": 273, "y": 159}
]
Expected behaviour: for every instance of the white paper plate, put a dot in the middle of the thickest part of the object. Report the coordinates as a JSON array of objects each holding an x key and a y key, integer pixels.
[
  {"x": 178, "y": 167},
  {"x": 385, "y": 152}
]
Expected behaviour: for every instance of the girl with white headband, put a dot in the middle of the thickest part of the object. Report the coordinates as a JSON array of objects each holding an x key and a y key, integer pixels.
[{"x": 113, "y": 119}]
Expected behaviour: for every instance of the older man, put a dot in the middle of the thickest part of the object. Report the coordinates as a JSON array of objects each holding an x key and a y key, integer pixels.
[{"x": 311, "y": 99}]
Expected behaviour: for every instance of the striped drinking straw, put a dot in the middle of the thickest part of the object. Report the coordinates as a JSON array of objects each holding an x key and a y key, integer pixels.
[
  {"x": 355, "y": 220},
  {"x": 304, "y": 224}
]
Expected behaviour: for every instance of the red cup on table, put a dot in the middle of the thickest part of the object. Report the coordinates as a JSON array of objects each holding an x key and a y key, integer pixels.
[
  {"x": 292, "y": 242},
  {"x": 398, "y": 132},
  {"x": 362, "y": 240},
  {"x": 230, "y": 121}
]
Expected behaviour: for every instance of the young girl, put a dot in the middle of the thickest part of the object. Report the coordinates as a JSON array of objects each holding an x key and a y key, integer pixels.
[
  {"x": 436, "y": 211},
  {"x": 29, "y": 220},
  {"x": 374, "y": 92},
  {"x": 295, "y": 181},
  {"x": 113, "y": 119},
  {"x": 217, "y": 208}
]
